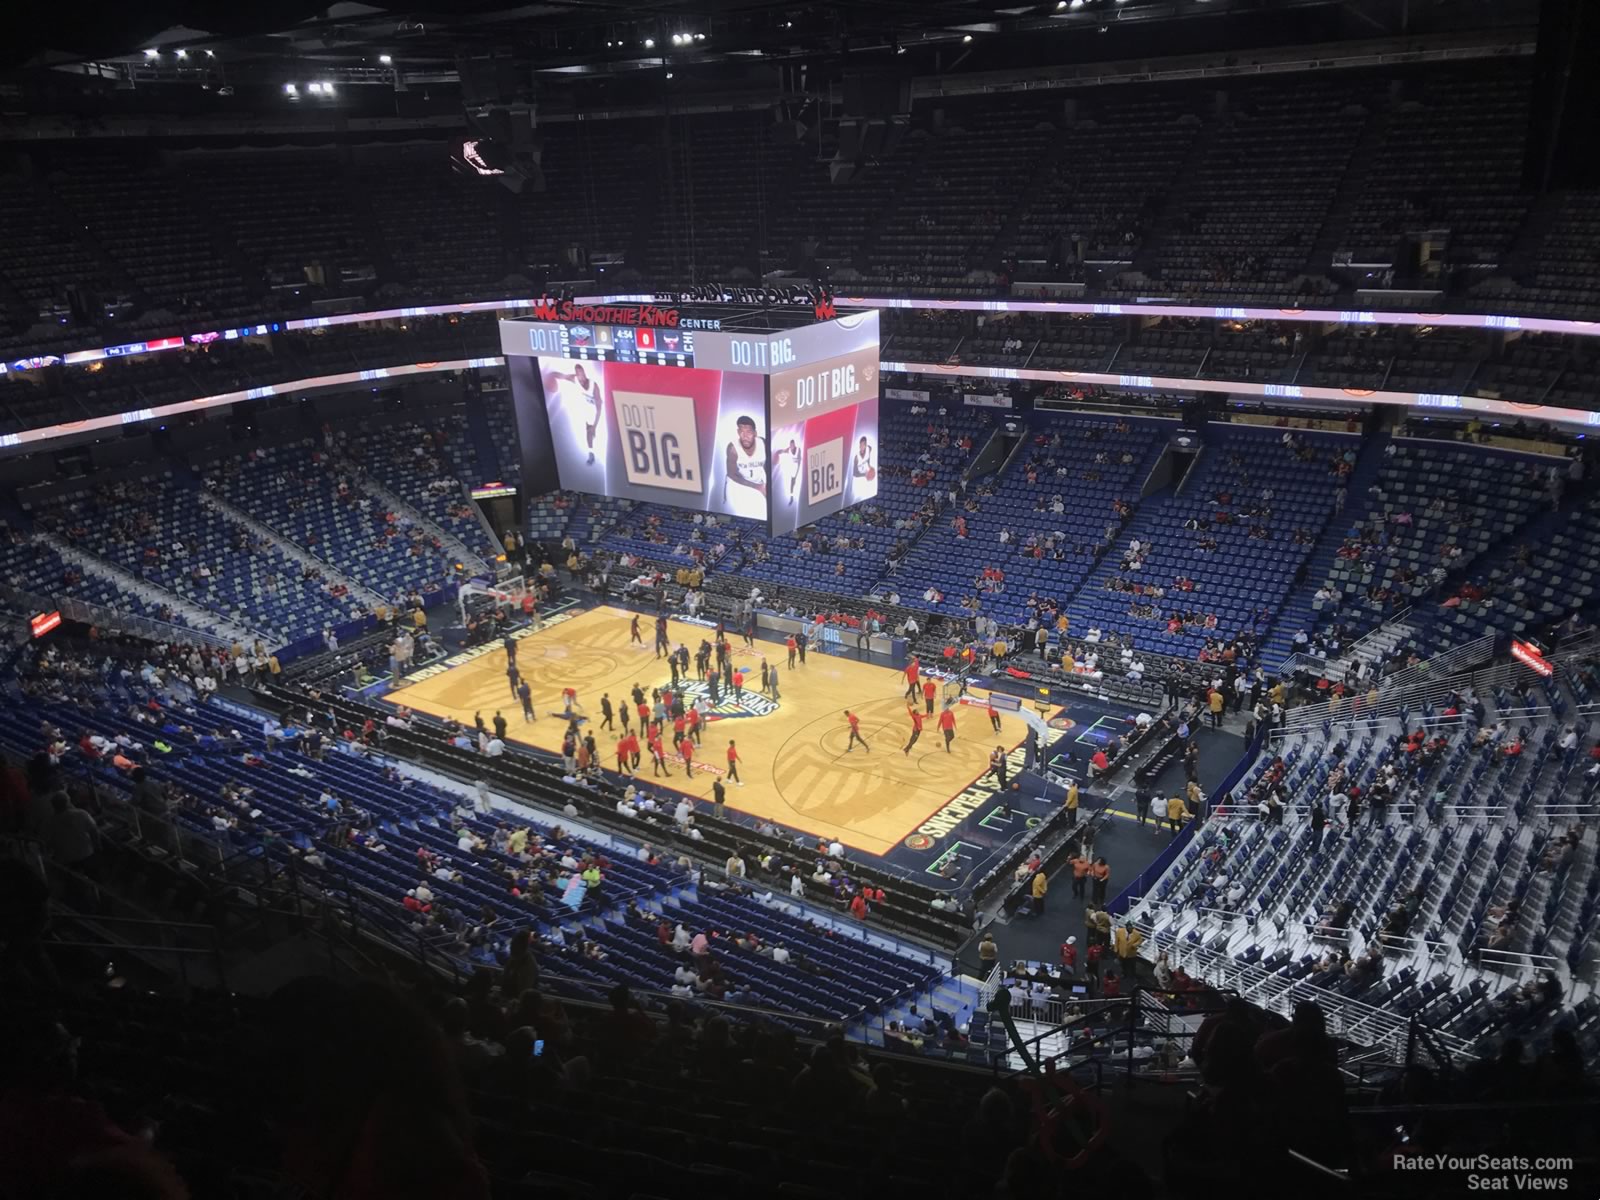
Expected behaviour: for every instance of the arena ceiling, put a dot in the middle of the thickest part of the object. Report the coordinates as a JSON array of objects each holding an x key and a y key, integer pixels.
[{"x": 259, "y": 46}]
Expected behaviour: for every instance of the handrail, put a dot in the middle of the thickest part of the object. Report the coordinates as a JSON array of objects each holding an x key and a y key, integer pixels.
[
  {"x": 88, "y": 613},
  {"x": 1350, "y": 1018},
  {"x": 1311, "y": 715},
  {"x": 1465, "y": 657}
]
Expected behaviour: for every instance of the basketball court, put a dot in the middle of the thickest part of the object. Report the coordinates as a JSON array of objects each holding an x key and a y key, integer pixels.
[{"x": 795, "y": 767}]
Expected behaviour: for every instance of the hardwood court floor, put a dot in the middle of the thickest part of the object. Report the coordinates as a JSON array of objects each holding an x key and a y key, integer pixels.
[{"x": 795, "y": 768}]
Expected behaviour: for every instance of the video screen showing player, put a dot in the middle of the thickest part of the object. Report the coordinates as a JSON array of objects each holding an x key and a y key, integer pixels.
[
  {"x": 863, "y": 471},
  {"x": 744, "y": 484},
  {"x": 823, "y": 464},
  {"x": 576, "y": 395},
  {"x": 787, "y": 455},
  {"x": 668, "y": 435}
]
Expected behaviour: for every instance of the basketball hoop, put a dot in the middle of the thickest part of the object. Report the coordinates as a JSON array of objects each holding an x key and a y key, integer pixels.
[{"x": 507, "y": 593}]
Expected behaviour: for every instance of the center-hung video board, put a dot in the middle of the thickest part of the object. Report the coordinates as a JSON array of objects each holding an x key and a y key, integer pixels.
[{"x": 766, "y": 414}]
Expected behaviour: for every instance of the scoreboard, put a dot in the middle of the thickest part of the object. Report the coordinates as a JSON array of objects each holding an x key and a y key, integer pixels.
[
  {"x": 611, "y": 343},
  {"x": 721, "y": 413}
]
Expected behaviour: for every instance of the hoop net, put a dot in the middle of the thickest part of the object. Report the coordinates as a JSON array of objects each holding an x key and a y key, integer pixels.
[{"x": 508, "y": 592}]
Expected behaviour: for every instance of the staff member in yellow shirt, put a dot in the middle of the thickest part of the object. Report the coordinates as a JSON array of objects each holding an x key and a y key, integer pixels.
[
  {"x": 1177, "y": 814},
  {"x": 1041, "y": 885},
  {"x": 1072, "y": 804}
]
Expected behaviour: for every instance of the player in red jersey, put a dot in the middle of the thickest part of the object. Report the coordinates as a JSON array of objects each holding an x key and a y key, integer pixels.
[
  {"x": 916, "y": 728},
  {"x": 658, "y": 755},
  {"x": 947, "y": 726},
  {"x": 855, "y": 733},
  {"x": 733, "y": 764},
  {"x": 913, "y": 668}
]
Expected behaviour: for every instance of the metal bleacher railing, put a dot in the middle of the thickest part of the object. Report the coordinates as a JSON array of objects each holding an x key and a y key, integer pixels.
[
  {"x": 1347, "y": 1018},
  {"x": 73, "y": 609},
  {"x": 1391, "y": 702}
]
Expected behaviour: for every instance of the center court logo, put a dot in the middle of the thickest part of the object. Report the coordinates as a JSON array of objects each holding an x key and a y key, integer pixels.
[
  {"x": 1061, "y": 724},
  {"x": 746, "y": 703}
]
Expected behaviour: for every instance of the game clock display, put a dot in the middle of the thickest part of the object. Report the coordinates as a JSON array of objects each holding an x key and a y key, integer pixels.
[{"x": 613, "y": 343}]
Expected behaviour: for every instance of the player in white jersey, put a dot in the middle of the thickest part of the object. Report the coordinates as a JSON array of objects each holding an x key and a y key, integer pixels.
[
  {"x": 786, "y": 466},
  {"x": 744, "y": 488},
  {"x": 863, "y": 475},
  {"x": 588, "y": 402}
]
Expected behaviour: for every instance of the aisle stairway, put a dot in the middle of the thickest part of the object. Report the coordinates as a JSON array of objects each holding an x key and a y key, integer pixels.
[{"x": 1301, "y": 609}]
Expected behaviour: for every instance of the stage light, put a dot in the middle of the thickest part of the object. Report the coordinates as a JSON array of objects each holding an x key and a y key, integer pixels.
[
  {"x": 327, "y": 89},
  {"x": 649, "y": 43},
  {"x": 699, "y": 37},
  {"x": 966, "y": 37},
  {"x": 211, "y": 53},
  {"x": 385, "y": 59},
  {"x": 289, "y": 89},
  {"x": 152, "y": 53},
  {"x": 183, "y": 54},
  {"x": 669, "y": 74},
  {"x": 676, "y": 40},
  {"x": 1061, "y": 4},
  {"x": 314, "y": 88}
]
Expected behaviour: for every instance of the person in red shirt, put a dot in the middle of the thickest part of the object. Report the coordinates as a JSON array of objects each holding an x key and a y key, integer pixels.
[
  {"x": 738, "y": 683},
  {"x": 1111, "y": 986},
  {"x": 1091, "y": 958},
  {"x": 658, "y": 755},
  {"x": 791, "y": 646},
  {"x": 929, "y": 691},
  {"x": 994, "y": 717},
  {"x": 858, "y": 906},
  {"x": 855, "y": 733},
  {"x": 913, "y": 669},
  {"x": 622, "y": 756},
  {"x": 947, "y": 726},
  {"x": 633, "y": 750},
  {"x": 916, "y": 729},
  {"x": 733, "y": 764},
  {"x": 644, "y": 716},
  {"x": 1069, "y": 954},
  {"x": 693, "y": 721},
  {"x": 686, "y": 751},
  {"x": 679, "y": 726}
]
